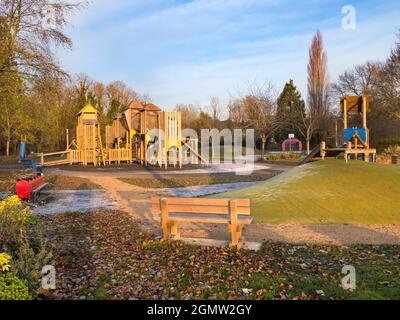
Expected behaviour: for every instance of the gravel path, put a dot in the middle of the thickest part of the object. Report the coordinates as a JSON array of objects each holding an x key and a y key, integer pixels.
[
  {"x": 75, "y": 201},
  {"x": 135, "y": 171}
]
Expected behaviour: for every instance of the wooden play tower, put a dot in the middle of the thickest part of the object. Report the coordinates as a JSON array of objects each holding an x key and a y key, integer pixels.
[
  {"x": 356, "y": 139},
  {"x": 153, "y": 136},
  {"x": 88, "y": 138}
]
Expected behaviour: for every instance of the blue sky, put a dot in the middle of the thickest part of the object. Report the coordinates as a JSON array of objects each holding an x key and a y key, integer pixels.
[{"x": 188, "y": 51}]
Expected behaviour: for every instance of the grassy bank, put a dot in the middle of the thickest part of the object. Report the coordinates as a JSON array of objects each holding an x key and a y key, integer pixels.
[{"x": 327, "y": 192}]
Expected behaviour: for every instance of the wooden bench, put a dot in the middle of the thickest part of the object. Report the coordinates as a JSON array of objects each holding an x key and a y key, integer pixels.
[
  {"x": 36, "y": 192},
  {"x": 234, "y": 212}
]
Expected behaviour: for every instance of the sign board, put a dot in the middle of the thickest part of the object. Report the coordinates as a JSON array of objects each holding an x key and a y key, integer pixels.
[
  {"x": 354, "y": 104},
  {"x": 291, "y": 136}
]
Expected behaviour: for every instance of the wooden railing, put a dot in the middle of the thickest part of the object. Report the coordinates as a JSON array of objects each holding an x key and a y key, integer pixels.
[
  {"x": 84, "y": 157},
  {"x": 119, "y": 155}
]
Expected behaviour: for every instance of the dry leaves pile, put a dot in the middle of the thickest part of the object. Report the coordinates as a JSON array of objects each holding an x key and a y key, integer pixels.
[{"x": 105, "y": 255}]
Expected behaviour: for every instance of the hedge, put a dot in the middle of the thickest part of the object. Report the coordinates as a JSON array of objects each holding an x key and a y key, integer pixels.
[{"x": 386, "y": 143}]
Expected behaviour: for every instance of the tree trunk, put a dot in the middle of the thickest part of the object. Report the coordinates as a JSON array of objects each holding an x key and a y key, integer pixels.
[
  {"x": 8, "y": 146},
  {"x": 263, "y": 142},
  {"x": 308, "y": 146}
]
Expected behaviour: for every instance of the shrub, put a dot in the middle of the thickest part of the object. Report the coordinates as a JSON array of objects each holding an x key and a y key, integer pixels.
[
  {"x": 386, "y": 143},
  {"x": 392, "y": 150},
  {"x": 21, "y": 237},
  {"x": 12, "y": 288},
  {"x": 4, "y": 262},
  {"x": 284, "y": 156},
  {"x": 13, "y": 220}
]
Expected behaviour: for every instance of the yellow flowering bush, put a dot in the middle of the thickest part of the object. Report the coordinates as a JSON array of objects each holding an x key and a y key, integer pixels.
[
  {"x": 12, "y": 208},
  {"x": 11, "y": 287},
  {"x": 14, "y": 217},
  {"x": 5, "y": 262},
  {"x": 21, "y": 237}
]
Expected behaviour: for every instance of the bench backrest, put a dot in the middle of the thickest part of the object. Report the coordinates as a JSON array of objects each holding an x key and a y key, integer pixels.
[{"x": 202, "y": 206}]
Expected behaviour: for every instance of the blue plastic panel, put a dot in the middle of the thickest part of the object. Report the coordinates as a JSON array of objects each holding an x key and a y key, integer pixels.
[
  {"x": 349, "y": 133},
  {"x": 22, "y": 151}
]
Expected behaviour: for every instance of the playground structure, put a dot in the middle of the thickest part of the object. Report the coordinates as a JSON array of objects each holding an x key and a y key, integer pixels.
[
  {"x": 151, "y": 136},
  {"x": 23, "y": 156},
  {"x": 356, "y": 140},
  {"x": 142, "y": 133},
  {"x": 292, "y": 145},
  {"x": 88, "y": 139}
]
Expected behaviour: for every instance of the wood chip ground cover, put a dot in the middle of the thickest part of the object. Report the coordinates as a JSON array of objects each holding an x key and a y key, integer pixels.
[
  {"x": 159, "y": 182},
  {"x": 71, "y": 183},
  {"x": 106, "y": 255},
  {"x": 8, "y": 180}
]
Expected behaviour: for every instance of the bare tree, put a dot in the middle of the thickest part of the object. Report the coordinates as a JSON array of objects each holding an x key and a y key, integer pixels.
[
  {"x": 27, "y": 38},
  {"x": 120, "y": 93},
  {"x": 259, "y": 108},
  {"x": 387, "y": 90},
  {"x": 236, "y": 113},
  {"x": 305, "y": 122},
  {"x": 189, "y": 115},
  {"x": 358, "y": 81},
  {"x": 99, "y": 91},
  {"x": 215, "y": 111},
  {"x": 318, "y": 81}
]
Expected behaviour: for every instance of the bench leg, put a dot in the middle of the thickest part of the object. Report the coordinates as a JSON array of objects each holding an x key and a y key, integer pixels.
[
  {"x": 234, "y": 229},
  {"x": 174, "y": 231},
  {"x": 240, "y": 230},
  {"x": 166, "y": 230}
]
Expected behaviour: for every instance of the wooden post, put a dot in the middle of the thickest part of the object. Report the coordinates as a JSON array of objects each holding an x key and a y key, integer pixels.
[
  {"x": 345, "y": 121},
  {"x": 234, "y": 223},
  {"x": 67, "y": 140},
  {"x": 84, "y": 146},
  {"x": 145, "y": 138},
  {"x": 364, "y": 112},
  {"x": 174, "y": 231},
  {"x": 322, "y": 150},
  {"x": 164, "y": 219},
  {"x": 336, "y": 134},
  {"x": 94, "y": 145},
  {"x": 42, "y": 159}
]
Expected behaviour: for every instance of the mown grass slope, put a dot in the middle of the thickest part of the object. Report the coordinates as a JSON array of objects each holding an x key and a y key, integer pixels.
[{"x": 328, "y": 191}]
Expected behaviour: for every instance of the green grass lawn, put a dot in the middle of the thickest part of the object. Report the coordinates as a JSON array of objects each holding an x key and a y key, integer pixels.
[{"x": 328, "y": 191}]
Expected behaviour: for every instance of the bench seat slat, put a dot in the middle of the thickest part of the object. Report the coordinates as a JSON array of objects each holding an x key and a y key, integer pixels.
[
  {"x": 40, "y": 188},
  {"x": 206, "y": 209},
  {"x": 207, "y": 218},
  {"x": 203, "y": 201}
]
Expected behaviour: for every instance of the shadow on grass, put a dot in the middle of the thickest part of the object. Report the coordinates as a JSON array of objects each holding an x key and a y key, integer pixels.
[{"x": 354, "y": 233}]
